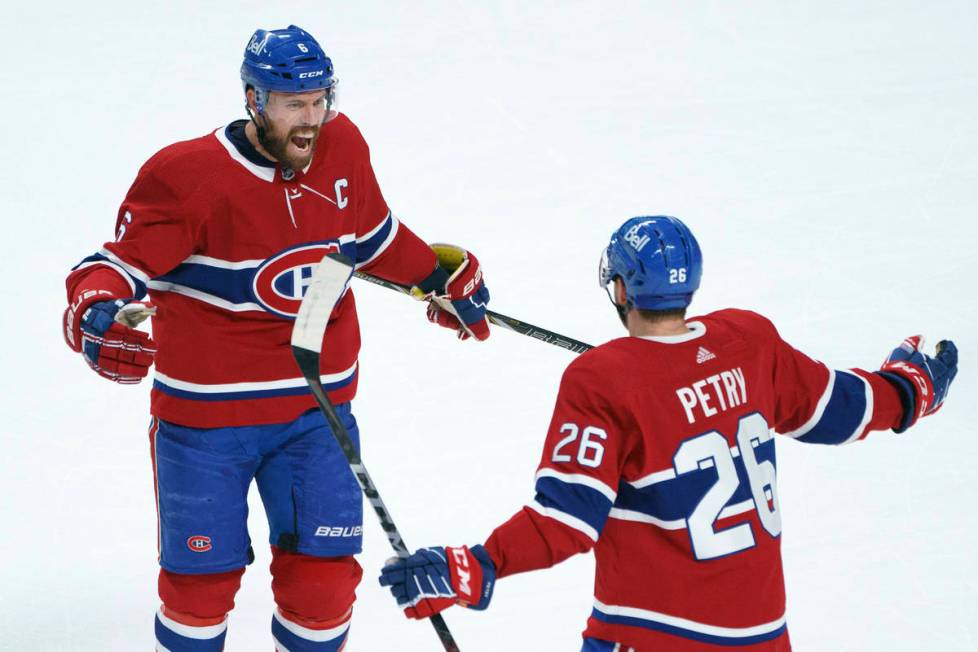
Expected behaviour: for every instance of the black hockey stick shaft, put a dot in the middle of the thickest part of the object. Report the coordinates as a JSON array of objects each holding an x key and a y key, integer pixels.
[
  {"x": 521, "y": 327},
  {"x": 326, "y": 288},
  {"x": 309, "y": 364}
]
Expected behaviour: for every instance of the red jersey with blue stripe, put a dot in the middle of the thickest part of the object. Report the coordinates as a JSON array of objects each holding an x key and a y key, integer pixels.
[
  {"x": 225, "y": 242},
  {"x": 660, "y": 457}
]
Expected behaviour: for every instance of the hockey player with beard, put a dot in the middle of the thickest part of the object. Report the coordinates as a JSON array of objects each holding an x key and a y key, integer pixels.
[
  {"x": 660, "y": 458},
  {"x": 222, "y": 234}
]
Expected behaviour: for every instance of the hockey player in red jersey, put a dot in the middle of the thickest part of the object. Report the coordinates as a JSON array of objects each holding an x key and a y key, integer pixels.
[
  {"x": 660, "y": 458},
  {"x": 222, "y": 232}
]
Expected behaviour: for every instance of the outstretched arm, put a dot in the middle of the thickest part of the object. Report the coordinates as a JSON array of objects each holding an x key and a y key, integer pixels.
[
  {"x": 575, "y": 489},
  {"x": 819, "y": 405}
]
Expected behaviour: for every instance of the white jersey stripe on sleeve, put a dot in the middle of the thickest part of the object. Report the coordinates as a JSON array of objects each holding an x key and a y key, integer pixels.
[
  {"x": 566, "y": 519},
  {"x": 581, "y": 479},
  {"x": 819, "y": 410},
  {"x": 135, "y": 272}
]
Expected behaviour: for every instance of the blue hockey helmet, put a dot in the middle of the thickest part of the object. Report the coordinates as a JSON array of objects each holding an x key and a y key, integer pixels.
[
  {"x": 285, "y": 61},
  {"x": 657, "y": 258}
]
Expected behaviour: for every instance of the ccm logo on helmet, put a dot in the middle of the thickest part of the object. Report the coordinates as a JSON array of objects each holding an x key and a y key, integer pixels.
[
  {"x": 281, "y": 280},
  {"x": 199, "y": 543},
  {"x": 307, "y": 75}
]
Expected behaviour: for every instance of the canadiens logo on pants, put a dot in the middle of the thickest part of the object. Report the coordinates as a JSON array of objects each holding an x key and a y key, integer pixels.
[{"x": 199, "y": 543}]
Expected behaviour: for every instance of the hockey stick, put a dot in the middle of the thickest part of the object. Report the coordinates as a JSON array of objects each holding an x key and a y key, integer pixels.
[
  {"x": 521, "y": 327},
  {"x": 325, "y": 289}
]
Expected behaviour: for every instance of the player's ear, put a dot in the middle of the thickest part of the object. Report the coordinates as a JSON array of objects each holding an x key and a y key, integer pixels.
[{"x": 621, "y": 296}]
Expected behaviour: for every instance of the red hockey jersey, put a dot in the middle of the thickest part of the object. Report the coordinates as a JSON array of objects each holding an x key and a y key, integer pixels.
[
  {"x": 660, "y": 457},
  {"x": 225, "y": 246}
]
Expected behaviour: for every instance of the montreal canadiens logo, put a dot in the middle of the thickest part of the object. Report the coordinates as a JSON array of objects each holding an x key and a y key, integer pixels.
[
  {"x": 199, "y": 543},
  {"x": 281, "y": 280}
]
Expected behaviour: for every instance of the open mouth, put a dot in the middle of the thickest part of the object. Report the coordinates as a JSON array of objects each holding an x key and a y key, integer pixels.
[{"x": 301, "y": 143}]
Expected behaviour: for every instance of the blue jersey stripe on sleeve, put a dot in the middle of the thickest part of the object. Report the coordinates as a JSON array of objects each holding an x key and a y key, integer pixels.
[
  {"x": 137, "y": 283},
  {"x": 578, "y": 500},
  {"x": 845, "y": 413},
  {"x": 372, "y": 244}
]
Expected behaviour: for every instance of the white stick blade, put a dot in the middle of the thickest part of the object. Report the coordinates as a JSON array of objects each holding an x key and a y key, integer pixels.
[{"x": 325, "y": 289}]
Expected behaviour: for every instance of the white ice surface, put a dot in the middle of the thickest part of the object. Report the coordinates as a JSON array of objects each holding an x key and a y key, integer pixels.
[{"x": 826, "y": 154}]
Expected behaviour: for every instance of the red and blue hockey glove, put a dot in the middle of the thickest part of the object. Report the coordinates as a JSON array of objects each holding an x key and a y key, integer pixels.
[
  {"x": 921, "y": 381},
  {"x": 458, "y": 297},
  {"x": 105, "y": 335},
  {"x": 433, "y": 579}
]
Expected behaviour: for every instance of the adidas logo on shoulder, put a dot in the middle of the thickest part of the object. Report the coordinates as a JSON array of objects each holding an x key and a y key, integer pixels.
[{"x": 704, "y": 354}]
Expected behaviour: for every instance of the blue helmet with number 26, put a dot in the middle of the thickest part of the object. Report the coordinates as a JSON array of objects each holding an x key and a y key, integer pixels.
[
  {"x": 657, "y": 258},
  {"x": 285, "y": 61}
]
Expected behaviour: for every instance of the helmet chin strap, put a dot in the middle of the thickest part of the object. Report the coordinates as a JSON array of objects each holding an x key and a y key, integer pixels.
[
  {"x": 622, "y": 310},
  {"x": 259, "y": 125}
]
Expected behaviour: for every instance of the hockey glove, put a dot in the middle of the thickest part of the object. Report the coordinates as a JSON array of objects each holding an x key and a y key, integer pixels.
[
  {"x": 433, "y": 579},
  {"x": 105, "y": 335},
  {"x": 922, "y": 381},
  {"x": 457, "y": 295}
]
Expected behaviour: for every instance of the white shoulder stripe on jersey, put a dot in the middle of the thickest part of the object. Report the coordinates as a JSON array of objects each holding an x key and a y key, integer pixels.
[
  {"x": 268, "y": 174},
  {"x": 221, "y": 388},
  {"x": 819, "y": 409},
  {"x": 196, "y": 633},
  {"x": 386, "y": 243},
  {"x": 161, "y": 286},
  {"x": 679, "y": 524},
  {"x": 566, "y": 519},
  {"x": 867, "y": 415},
  {"x": 115, "y": 268},
  {"x": 316, "y": 635},
  {"x": 129, "y": 269},
  {"x": 690, "y": 625},
  {"x": 581, "y": 479}
]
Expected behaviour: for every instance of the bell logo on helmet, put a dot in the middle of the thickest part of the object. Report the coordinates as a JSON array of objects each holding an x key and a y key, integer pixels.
[
  {"x": 256, "y": 45},
  {"x": 661, "y": 277},
  {"x": 633, "y": 238}
]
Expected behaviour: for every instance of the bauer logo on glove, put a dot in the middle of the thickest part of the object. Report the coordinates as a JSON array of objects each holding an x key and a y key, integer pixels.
[{"x": 456, "y": 292}]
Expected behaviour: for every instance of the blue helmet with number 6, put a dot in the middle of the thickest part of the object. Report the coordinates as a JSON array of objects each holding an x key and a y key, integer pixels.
[
  {"x": 285, "y": 61},
  {"x": 657, "y": 258}
]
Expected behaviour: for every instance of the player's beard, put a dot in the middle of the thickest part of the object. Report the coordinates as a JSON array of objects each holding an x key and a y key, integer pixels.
[{"x": 278, "y": 145}]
